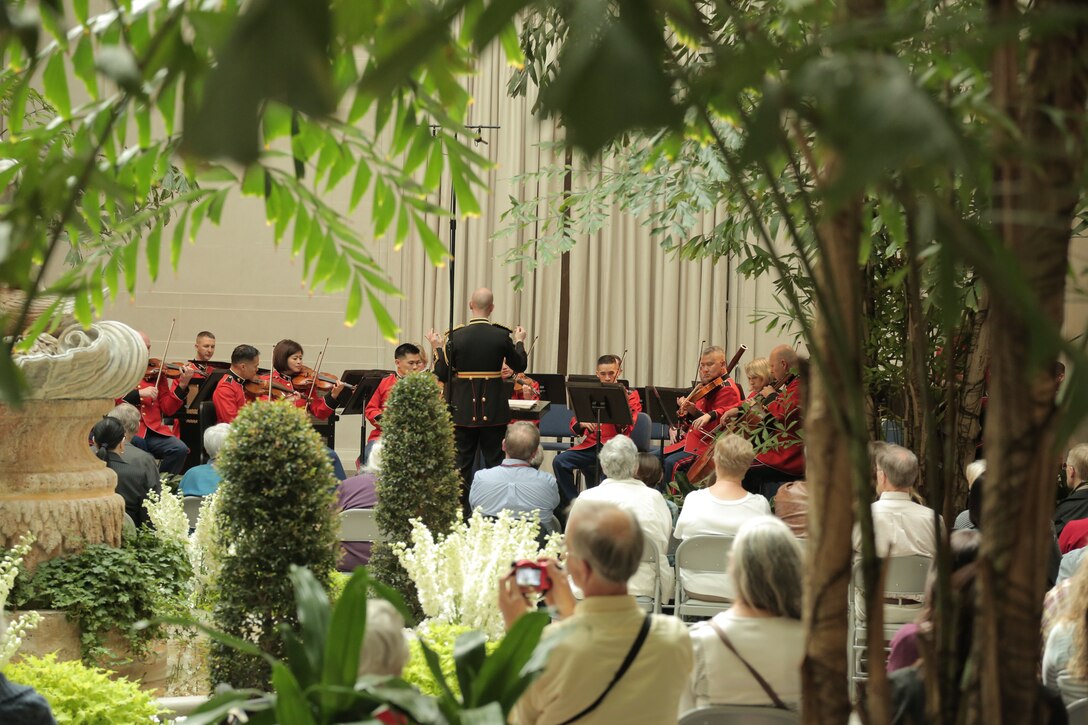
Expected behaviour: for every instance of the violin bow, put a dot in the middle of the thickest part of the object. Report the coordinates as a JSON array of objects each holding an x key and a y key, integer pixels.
[
  {"x": 317, "y": 371},
  {"x": 162, "y": 363},
  {"x": 532, "y": 345}
]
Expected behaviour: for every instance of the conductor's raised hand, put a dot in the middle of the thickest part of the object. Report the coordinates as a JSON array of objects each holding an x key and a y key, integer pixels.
[
  {"x": 520, "y": 334},
  {"x": 434, "y": 338}
]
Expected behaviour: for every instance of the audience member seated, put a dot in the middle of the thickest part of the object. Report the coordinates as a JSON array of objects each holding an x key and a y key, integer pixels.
[
  {"x": 134, "y": 480},
  {"x": 900, "y": 526},
  {"x": 19, "y": 703},
  {"x": 1065, "y": 657},
  {"x": 359, "y": 492},
  {"x": 650, "y": 472},
  {"x": 761, "y": 632},
  {"x": 791, "y": 505},
  {"x": 129, "y": 417},
  {"x": 204, "y": 479},
  {"x": 385, "y": 648},
  {"x": 1075, "y": 505},
  {"x": 963, "y": 548},
  {"x": 515, "y": 485},
  {"x": 972, "y": 472},
  {"x": 619, "y": 459},
  {"x": 597, "y": 634},
  {"x": 720, "y": 510}
]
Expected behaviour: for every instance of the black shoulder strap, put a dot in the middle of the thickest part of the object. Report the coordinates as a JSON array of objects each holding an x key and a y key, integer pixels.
[
  {"x": 631, "y": 654},
  {"x": 759, "y": 678}
]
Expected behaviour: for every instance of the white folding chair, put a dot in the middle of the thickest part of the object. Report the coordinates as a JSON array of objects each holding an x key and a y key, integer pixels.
[
  {"x": 650, "y": 555},
  {"x": 359, "y": 525},
  {"x": 904, "y": 579},
  {"x": 706, "y": 554},
  {"x": 739, "y": 715},
  {"x": 192, "y": 504}
]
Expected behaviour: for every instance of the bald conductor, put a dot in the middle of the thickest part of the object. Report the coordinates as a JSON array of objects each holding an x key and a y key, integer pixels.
[{"x": 469, "y": 361}]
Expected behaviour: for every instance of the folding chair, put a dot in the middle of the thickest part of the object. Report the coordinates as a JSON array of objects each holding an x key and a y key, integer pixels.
[
  {"x": 702, "y": 553},
  {"x": 556, "y": 424},
  {"x": 359, "y": 525},
  {"x": 904, "y": 579},
  {"x": 650, "y": 555},
  {"x": 192, "y": 504},
  {"x": 739, "y": 715},
  {"x": 1077, "y": 712},
  {"x": 641, "y": 433}
]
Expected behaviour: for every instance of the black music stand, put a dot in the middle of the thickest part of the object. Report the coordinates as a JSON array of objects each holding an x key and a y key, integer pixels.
[
  {"x": 661, "y": 407},
  {"x": 593, "y": 379},
  {"x": 208, "y": 387},
  {"x": 365, "y": 382},
  {"x": 553, "y": 388},
  {"x": 602, "y": 402}
]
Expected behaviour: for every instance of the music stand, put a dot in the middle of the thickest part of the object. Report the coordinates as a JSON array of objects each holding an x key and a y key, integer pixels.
[
  {"x": 365, "y": 382},
  {"x": 661, "y": 407},
  {"x": 553, "y": 388},
  {"x": 208, "y": 387},
  {"x": 593, "y": 379},
  {"x": 603, "y": 402}
]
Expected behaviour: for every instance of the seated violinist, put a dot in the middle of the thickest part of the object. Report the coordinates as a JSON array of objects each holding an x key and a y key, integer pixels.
[
  {"x": 702, "y": 411},
  {"x": 160, "y": 397},
  {"x": 230, "y": 394},
  {"x": 777, "y": 412},
  {"x": 407, "y": 358},
  {"x": 525, "y": 388},
  {"x": 758, "y": 373}
]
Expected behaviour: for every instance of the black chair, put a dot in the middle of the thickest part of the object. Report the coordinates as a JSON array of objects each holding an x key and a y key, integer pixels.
[{"x": 206, "y": 418}]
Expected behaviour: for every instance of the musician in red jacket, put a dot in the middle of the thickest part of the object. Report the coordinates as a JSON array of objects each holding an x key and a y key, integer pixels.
[
  {"x": 159, "y": 400},
  {"x": 407, "y": 358},
  {"x": 780, "y": 405},
  {"x": 583, "y": 455},
  {"x": 716, "y": 394},
  {"x": 230, "y": 395}
]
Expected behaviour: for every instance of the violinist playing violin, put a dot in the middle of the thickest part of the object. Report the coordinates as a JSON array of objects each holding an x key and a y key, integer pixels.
[
  {"x": 525, "y": 388},
  {"x": 230, "y": 393},
  {"x": 701, "y": 411},
  {"x": 159, "y": 397},
  {"x": 287, "y": 368},
  {"x": 407, "y": 358},
  {"x": 204, "y": 349}
]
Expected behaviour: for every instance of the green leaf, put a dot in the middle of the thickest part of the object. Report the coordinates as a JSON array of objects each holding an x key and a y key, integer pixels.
[
  {"x": 384, "y": 207},
  {"x": 436, "y": 250},
  {"x": 496, "y": 18},
  {"x": 360, "y": 105},
  {"x": 469, "y": 654},
  {"x": 79, "y": 7},
  {"x": 362, "y": 181},
  {"x": 345, "y": 638},
  {"x": 129, "y": 258},
  {"x": 178, "y": 240},
  {"x": 216, "y": 709},
  {"x": 143, "y": 125},
  {"x": 466, "y": 200},
  {"x": 354, "y": 304},
  {"x": 55, "y": 80},
  {"x": 302, "y": 230},
  {"x": 433, "y": 663},
  {"x": 432, "y": 175},
  {"x": 154, "y": 243},
  {"x": 386, "y": 326},
  {"x": 277, "y": 122},
  {"x": 298, "y": 658},
  {"x": 253, "y": 182},
  {"x": 83, "y": 308},
  {"x": 501, "y": 678},
  {"x": 117, "y": 64},
  {"x": 291, "y": 705}
]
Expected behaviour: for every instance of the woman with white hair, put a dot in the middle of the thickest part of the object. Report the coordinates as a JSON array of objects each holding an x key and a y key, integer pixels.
[
  {"x": 204, "y": 479},
  {"x": 619, "y": 461},
  {"x": 385, "y": 649},
  {"x": 751, "y": 654},
  {"x": 720, "y": 510}
]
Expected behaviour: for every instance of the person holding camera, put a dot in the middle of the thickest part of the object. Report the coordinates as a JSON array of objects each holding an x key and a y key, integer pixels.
[{"x": 618, "y": 663}]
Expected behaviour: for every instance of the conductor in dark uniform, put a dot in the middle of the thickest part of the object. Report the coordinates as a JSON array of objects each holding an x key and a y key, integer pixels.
[{"x": 469, "y": 362}]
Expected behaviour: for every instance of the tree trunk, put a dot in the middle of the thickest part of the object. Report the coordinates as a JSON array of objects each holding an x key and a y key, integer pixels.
[
  {"x": 835, "y": 432},
  {"x": 1036, "y": 198}
]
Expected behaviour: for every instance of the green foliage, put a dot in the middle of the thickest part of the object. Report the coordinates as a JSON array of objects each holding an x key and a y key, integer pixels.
[
  {"x": 440, "y": 639},
  {"x": 104, "y": 589},
  {"x": 419, "y": 477},
  {"x": 275, "y": 512},
  {"x": 83, "y": 695},
  {"x": 105, "y": 178}
]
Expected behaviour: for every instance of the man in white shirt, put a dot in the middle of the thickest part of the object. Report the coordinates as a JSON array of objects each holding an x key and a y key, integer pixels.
[
  {"x": 900, "y": 526},
  {"x": 595, "y": 635},
  {"x": 619, "y": 460}
]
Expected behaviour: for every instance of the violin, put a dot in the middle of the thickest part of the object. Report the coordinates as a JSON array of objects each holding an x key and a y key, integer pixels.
[
  {"x": 174, "y": 370},
  {"x": 310, "y": 380},
  {"x": 263, "y": 386},
  {"x": 523, "y": 384},
  {"x": 701, "y": 391}
]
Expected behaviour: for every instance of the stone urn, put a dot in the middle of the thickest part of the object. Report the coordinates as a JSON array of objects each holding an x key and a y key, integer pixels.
[{"x": 51, "y": 483}]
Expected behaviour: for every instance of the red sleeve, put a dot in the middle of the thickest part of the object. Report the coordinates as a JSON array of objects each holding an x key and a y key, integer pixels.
[
  {"x": 319, "y": 408},
  {"x": 635, "y": 404},
  {"x": 376, "y": 405},
  {"x": 229, "y": 399},
  {"x": 728, "y": 397},
  {"x": 170, "y": 400}
]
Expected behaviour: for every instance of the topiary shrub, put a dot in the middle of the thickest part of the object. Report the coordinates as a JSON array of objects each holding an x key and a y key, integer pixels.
[
  {"x": 274, "y": 510},
  {"x": 80, "y": 694},
  {"x": 419, "y": 477}
]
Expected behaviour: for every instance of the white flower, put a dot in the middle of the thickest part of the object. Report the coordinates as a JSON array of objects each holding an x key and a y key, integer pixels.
[
  {"x": 167, "y": 513},
  {"x": 457, "y": 576},
  {"x": 12, "y": 637}
]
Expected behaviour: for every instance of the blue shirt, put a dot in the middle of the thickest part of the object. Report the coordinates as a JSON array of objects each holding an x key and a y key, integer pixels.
[
  {"x": 21, "y": 704},
  {"x": 200, "y": 480},
  {"x": 515, "y": 486}
]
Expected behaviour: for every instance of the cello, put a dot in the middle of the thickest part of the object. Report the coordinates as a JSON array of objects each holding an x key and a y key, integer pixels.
[{"x": 703, "y": 465}]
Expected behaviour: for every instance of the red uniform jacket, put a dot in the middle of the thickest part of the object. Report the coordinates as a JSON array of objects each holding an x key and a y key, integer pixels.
[
  {"x": 716, "y": 403},
  {"x": 789, "y": 455},
  {"x": 153, "y": 410},
  {"x": 229, "y": 397},
  {"x": 520, "y": 393},
  {"x": 375, "y": 406},
  {"x": 608, "y": 431},
  {"x": 315, "y": 406}
]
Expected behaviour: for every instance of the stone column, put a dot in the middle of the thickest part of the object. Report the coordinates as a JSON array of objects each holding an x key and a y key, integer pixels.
[{"x": 51, "y": 483}]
